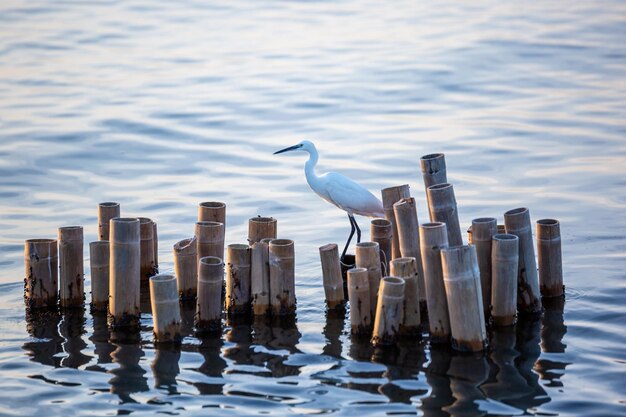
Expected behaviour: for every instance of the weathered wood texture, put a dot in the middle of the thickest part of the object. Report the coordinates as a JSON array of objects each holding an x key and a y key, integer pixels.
[
  {"x": 260, "y": 277},
  {"x": 237, "y": 279},
  {"x": 442, "y": 208},
  {"x": 41, "y": 271},
  {"x": 147, "y": 247},
  {"x": 186, "y": 267},
  {"x": 209, "y": 301},
  {"x": 406, "y": 268},
  {"x": 389, "y": 311},
  {"x": 409, "y": 237},
  {"x": 124, "y": 272},
  {"x": 500, "y": 230},
  {"x": 390, "y": 196},
  {"x": 71, "y": 267},
  {"x": 381, "y": 232},
  {"x": 504, "y": 264},
  {"x": 465, "y": 305},
  {"x": 261, "y": 228},
  {"x": 282, "y": 277},
  {"x": 483, "y": 230},
  {"x": 434, "y": 238},
  {"x": 331, "y": 275},
  {"x": 550, "y": 259},
  {"x": 99, "y": 254},
  {"x": 165, "y": 308},
  {"x": 517, "y": 222},
  {"x": 210, "y": 239},
  {"x": 106, "y": 211},
  {"x": 212, "y": 211},
  {"x": 359, "y": 295},
  {"x": 368, "y": 257},
  {"x": 433, "y": 167}
]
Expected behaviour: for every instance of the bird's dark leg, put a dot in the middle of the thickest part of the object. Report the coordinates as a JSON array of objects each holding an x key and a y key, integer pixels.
[
  {"x": 358, "y": 231},
  {"x": 353, "y": 228}
]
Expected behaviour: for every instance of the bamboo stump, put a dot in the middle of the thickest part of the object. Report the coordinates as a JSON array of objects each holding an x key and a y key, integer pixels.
[
  {"x": 41, "y": 269},
  {"x": 409, "y": 238},
  {"x": 260, "y": 277},
  {"x": 483, "y": 230},
  {"x": 442, "y": 208},
  {"x": 359, "y": 295},
  {"x": 186, "y": 268},
  {"x": 261, "y": 228},
  {"x": 368, "y": 257},
  {"x": 282, "y": 277},
  {"x": 147, "y": 247},
  {"x": 124, "y": 272},
  {"x": 504, "y": 264},
  {"x": 390, "y": 196},
  {"x": 238, "y": 279},
  {"x": 156, "y": 246},
  {"x": 433, "y": 167},
  {"x": 106, "y": 212},
  {"x": 331, "y": 275},
  {"x": 71, "y": 267},
  {"x": 501, "y": 230},
  {"x": 381, "y": 233},
  {"x": 212, "y": 211},
  {"x": 210, "y": 239},
  {"x": 389, "y": 311},
  {"x": 517, "y": 222},
  {"x": 406, "y": 268},
  {"x": 165, "y": 308},
  {"x": 550, "y": 260},
  {"x": 99, "y": 254},
  {"x": 434, "y": 238},
  {"x": 465, "y": 305},
  {"x": 209, "y": 301}
]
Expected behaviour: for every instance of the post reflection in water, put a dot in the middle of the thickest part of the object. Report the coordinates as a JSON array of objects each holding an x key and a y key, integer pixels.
[
  {"x": 553, "y": 330},
  {"x": 439, "y": 382},
  {"x": 43, "y": 327},
  {"x": 505, "y": 384},
  {"x": 72, "y": 328},
  {"x": 165, "y": 367},
  {"x": 129, "y": 375},
  {"x": 187, "y": 315},
  {"x": 335, "y": 322},
  {"x": 100, "y": 339},
  {"x": 467, "y": 372},
  {"x": 213, "y": 366}
]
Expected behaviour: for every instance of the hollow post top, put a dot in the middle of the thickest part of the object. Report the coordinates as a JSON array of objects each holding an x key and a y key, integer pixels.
[
  {"x": 392, "y": 287},
  {"x": 548, "y": 229}
]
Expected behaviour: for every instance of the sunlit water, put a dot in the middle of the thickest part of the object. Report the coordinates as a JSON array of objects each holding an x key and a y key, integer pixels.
[{"x": 161, "y": 105}]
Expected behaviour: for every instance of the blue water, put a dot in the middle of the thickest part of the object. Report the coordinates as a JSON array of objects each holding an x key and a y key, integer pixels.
[{"x": 161, "y": 105}]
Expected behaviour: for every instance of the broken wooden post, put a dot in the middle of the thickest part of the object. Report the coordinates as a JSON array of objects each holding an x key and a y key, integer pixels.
[
  {"x": 390, "y": 196},
  {"x": 261, "y": 228},
  {"x": 71, "y": 267},
  {"x": 549, "y": 256},
  {"x": 381, "y": 233},
  {"x": 282, "y": 277},
  {"x": 442, "y": 208},
  {"x": 517, "y": 222},
  {"x": 106, "y": 212},
  {"x": 209, "y": 301},
  {"x": 212, "y": 211},
  {"x": 260, "y": 277},
  {"x": 99, "y": 254},
  {"x": 359, "y": 295},
  {"x": 368, "y": 256},
  {"x": 406, "y": 268},
  {"x": 331, "y": 275},
  {"x": 409, "y": 237},
  {"x": 124, "y": 273},
  {"x": 433, "y": 167},
  {"x": 186, "y": 267},
  {"x": 389, "y": 311},
  {"x": 165, "y": 308},
  {"x": 41, "y": 270},
  {"x": 148, "y": 263},
  {"x": 504, "y": 260},
  {"x": 237, "y": 279},
  {"x": 210, "y": 239},
  {"x": 483, "y": 230},
  {"x": 465, "y": 305}
]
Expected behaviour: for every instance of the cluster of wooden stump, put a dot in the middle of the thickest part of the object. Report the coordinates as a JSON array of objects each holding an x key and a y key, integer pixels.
[{"x": 412, "y": 277}]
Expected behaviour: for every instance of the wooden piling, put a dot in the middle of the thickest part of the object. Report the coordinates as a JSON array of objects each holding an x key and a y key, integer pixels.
[
  {"x": 381, "y": 232},
  {"x": 442, "y": 208},
  {"x": 210, "y": 239},
  {"x": 155, "y": 237},
  {"x": 212, "y": 211},
  {"x": 433, "y": 167},
  {"x": 41, "y": 273},
  {"x": 237, "y": 279},
  {"x": 368, "y": 256},
  {"x": 483, "y": 230},
  {"x": 165, "y": 308},
  {"x": 517, "y": 222},
  {"x": 409, "y": 236},
  {"x": 465, "y": 305},
  {"x": 331, "y": 275},
  {"x": 106, "y": 211},
  {"x": 504, "y": 260},
  {"x": 260, "y": 277},
  {"x": 282, "y": 277},
  {"x": 500, "y": 229},
  {"x": 186, "y": 267},
  {"x": 359, "y": 295},
  {"x": 99, "y": 254},
  {"x": 209, "y": 301},
  {"x": 147, "y": 248},
  {"x": 71, "y": 267},
  {"x": 406, "y": 268},
  {"x": 390, "y": 196},
  {"x": 389, "y": 311},
  {"x": 261, "y": 228},
  {"x": 434, "y": 238},
  {"x": 549, "y": 257},
  {"x": 124, "y": 272}
]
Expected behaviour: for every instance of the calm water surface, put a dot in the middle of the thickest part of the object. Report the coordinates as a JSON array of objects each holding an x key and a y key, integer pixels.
[{"x": 161, "y": 105}]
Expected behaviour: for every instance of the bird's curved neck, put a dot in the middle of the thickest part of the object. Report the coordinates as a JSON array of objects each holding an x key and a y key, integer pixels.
[{"x": 309, "y": 168}]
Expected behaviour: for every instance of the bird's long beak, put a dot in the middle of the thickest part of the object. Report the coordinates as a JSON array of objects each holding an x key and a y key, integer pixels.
[{"x": 291, "y": 148}]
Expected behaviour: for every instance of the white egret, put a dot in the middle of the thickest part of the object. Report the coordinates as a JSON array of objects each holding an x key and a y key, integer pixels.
[{"x": 339, "y": 190}]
